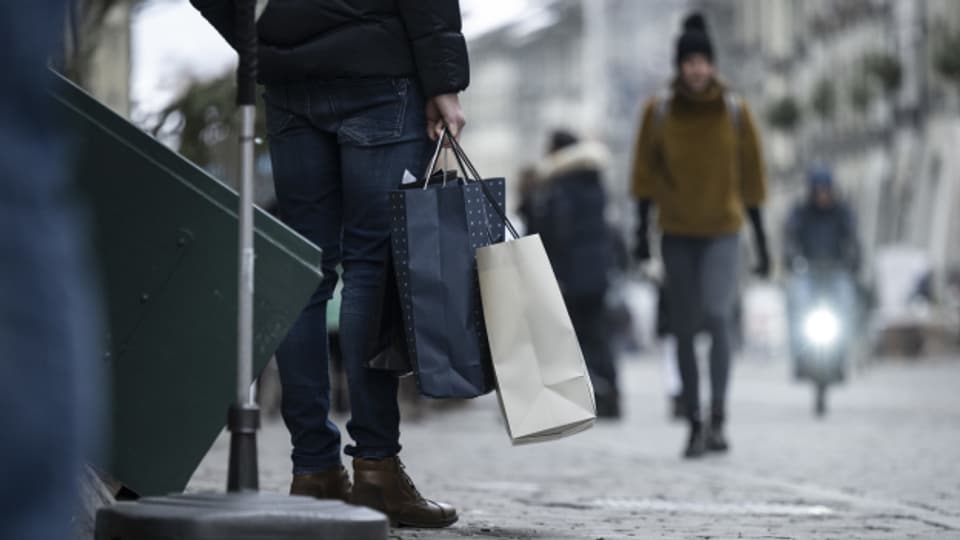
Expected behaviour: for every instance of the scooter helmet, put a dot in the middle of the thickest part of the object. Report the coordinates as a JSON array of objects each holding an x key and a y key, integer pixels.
[{"x": 819, "y": 176}]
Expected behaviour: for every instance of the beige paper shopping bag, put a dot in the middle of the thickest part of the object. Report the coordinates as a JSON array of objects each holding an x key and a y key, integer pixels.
[{"x": 542, "y": 380}]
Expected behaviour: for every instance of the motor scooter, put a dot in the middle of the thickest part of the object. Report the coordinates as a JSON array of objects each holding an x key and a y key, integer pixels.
[{"x": 823, "y": 312}]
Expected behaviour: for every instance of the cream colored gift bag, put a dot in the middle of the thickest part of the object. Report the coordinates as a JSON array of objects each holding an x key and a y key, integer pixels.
[{"x": 542, "y": 381}]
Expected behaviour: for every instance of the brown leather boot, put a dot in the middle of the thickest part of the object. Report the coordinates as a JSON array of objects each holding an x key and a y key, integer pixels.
[
  {"x": 383, "y": 485},
  {"x": 332, "y": 484}
]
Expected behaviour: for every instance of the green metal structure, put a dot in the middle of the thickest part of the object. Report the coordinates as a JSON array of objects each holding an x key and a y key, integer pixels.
[{"x": 166, "y": 240}]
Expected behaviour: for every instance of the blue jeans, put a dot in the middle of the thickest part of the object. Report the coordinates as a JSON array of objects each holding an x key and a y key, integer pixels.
[
  {"x": 337, "y": 149},
  {"x": 49, "y": 332}
]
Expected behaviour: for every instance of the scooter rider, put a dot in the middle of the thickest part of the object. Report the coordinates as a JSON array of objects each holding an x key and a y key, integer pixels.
[
  {"x": 822, "y": 227},
  {"x": 823, "y": 256}
]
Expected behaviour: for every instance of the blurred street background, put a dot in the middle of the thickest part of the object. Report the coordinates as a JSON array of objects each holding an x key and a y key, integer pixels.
[{"x": 871, "y": 87}]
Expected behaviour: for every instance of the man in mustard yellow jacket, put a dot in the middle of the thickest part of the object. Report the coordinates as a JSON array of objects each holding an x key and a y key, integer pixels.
[{"x": 698, "y": 160}]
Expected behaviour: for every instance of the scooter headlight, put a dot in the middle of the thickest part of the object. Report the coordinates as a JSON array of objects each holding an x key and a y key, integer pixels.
[{"x": 822, "y": 327}]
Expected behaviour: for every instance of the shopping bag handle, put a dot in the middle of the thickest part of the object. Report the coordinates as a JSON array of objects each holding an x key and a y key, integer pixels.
[
  {"x": 431, "y": 168},
  {"x": 464, "y": 160},
  {"x": 434, "y": 161}
]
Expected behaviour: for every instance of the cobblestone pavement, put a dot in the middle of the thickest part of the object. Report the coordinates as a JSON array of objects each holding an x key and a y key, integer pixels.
[{"x": 883, "y": 465}]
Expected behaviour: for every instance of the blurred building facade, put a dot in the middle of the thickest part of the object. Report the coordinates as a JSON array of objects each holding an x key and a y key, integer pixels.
[
  {"x": 110, "y": 78},
  {"x": 102, "y": 64},
  {"x": 866, "y": 82},
  {"x": 574, "y": 64}
]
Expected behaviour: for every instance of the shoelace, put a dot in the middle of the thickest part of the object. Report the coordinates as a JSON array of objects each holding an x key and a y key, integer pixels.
[{"x": 409, "y": 482}]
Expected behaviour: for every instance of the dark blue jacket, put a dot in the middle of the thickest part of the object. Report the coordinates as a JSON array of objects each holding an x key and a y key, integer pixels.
[{"x": 823, "y": 234}]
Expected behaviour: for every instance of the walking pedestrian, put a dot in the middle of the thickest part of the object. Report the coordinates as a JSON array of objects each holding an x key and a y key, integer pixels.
[
  {"x": 355, "y": 90},
  {"x": 568, "y": 211},
  {"x": 698, "y": 160}
]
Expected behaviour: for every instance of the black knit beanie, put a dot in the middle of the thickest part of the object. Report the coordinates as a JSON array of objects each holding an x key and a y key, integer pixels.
[
  {"x": 695, "y": 39},
  {"x": 561, "y": 139}
]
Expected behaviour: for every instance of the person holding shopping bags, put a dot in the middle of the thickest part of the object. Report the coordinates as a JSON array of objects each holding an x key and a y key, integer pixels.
[
  {"x": 698, "y": 160},
  {"x": 355, "y": 91}
]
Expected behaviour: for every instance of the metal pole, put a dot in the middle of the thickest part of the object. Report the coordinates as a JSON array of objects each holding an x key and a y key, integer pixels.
[
  {"x": 243, "y": 419},
  {"x": 246, "y": 261}
]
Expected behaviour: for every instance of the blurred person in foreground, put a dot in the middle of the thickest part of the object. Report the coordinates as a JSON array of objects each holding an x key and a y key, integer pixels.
[
  {"x": 698, "y": 160},
  {"x": 821, "y": 252},
  {"x": 49, "y": 329},
  {"x": 567, "y": 210},
  {"x": 355, "y": 90}
]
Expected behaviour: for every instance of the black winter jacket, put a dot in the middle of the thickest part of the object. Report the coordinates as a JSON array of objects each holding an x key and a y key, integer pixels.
[
  {"x": 303, "y": 40},
  {"x": 568, "y": 212}
]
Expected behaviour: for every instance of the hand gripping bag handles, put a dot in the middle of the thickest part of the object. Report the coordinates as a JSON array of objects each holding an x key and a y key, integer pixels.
[
  {"x": 436, "y": 228},
  {"x": 542, "y": 380}
]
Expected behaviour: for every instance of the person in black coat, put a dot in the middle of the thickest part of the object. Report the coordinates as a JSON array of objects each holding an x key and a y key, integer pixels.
[
  {"x": 354, "y": 90},
  {"x": 568, "y": 210}
]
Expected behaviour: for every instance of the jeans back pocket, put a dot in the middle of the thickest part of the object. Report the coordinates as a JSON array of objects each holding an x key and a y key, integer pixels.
[{"x": 374, "y": 111}]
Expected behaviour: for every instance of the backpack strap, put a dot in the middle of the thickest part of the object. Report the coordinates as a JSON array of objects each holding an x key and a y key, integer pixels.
[
  {"x": 662, "y": 107},
  {"x": 734, "y": 109}
]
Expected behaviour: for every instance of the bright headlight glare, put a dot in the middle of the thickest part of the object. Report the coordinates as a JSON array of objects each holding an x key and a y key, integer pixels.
[{"x": 822, "y": 327}]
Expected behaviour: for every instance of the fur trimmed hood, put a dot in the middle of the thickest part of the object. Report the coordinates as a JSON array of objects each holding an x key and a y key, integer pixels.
[{"x": 579, "y": 157}]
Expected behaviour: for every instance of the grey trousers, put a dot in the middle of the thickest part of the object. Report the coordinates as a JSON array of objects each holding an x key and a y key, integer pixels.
[{"x": 701, "y": 278}]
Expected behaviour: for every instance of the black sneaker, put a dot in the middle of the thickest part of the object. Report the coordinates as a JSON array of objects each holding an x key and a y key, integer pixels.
[
  {"x": 696, "y": 445},
  {"x": 715, "y": 440}
]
